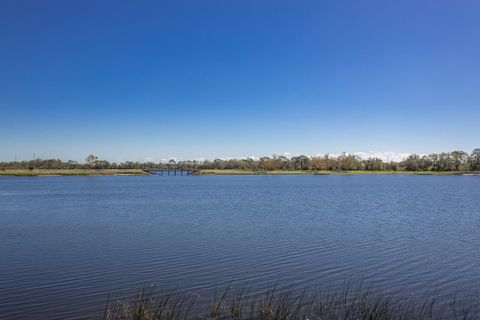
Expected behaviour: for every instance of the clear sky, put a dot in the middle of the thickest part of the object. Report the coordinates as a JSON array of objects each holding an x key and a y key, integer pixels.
[{"x": 151, "y": 80}]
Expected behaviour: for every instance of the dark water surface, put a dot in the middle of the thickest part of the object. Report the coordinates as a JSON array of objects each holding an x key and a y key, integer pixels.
[{"x": 67, "y": 242}]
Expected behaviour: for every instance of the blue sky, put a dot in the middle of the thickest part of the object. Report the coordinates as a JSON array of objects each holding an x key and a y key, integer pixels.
[{"x": 151, "y": 80}]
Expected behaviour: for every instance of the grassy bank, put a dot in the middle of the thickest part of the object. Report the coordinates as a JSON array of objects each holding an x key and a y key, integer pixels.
[
  {"x": 73, "y": 172},
  {"x": 226, "y": 172},
  {"x": 289, "y": 304},
  {"x": 212, "y": 172}
]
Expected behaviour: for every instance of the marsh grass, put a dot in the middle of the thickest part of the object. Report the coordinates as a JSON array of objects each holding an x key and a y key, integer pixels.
[
  {"x": 355, "y": 303},
  {"x": 72, "y": 172},
  {"x": 150, "y": 304}
]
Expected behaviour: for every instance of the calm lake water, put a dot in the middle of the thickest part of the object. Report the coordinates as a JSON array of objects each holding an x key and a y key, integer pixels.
[{"x": 67, "y": 242}]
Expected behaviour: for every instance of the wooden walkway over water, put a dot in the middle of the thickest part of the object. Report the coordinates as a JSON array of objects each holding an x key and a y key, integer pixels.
[{"x": 171, "y": 172}]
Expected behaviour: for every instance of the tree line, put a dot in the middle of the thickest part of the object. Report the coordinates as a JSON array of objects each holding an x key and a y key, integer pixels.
[{"x": 445, "y": 161}]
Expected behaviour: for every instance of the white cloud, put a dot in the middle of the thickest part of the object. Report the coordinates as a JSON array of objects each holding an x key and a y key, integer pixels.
[{"x": 385, "y": 156}]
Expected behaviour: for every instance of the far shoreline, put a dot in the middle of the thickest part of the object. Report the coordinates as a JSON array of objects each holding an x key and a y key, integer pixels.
[
  {"x": 233, "y": 172},
  {"x": 73, "y": 172},
  {"x": 219, "y": 172}
]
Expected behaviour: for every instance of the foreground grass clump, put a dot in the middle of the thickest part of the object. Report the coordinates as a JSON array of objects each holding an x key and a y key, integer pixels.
[{"x": 287, "y": 304}]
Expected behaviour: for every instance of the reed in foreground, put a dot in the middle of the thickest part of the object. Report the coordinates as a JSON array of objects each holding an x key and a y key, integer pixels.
[{"x": 287, "y": 304}]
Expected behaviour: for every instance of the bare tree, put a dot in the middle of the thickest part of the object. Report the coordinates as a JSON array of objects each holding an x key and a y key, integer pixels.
[{"x": 91, "y": 160}]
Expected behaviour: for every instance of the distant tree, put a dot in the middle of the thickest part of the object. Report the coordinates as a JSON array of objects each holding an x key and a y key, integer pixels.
[
  {"x": 412, "y": 163},
  {"x": 373, "y": 164},
  {"x": 444, "y": 162},
  {"x": 434, "y": 159},
  {"x": 474, "y": 160},
  {"x": 301, "y": 162},
  {"x": 172, "y": 163},
  {"x": 458, "y": 160},
  {"x": 347, "y": 162},
  {"x": 391, "y": 166},
  {"x": 71, "y": 164},
  {"x": 102, "y": 164},
  {"x": 218, "y": 164},
  {"x": 91, "y": 160},
  {"x": 266, "y": 163}
]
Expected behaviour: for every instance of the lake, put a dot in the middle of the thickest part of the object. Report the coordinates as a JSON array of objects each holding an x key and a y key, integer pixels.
[{"x": 66, "y": 243}]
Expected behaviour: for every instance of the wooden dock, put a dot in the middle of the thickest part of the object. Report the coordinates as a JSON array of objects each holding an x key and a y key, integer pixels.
[{"x": 171, "y": 172}]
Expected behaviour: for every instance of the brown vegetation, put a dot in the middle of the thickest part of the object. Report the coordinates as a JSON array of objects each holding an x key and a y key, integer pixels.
[{"x": 287, "y": 304}]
